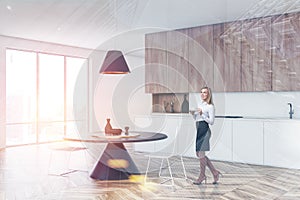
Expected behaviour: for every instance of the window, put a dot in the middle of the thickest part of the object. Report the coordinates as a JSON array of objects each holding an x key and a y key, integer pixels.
[
  {"x": 46, "y": 96},
  {"x": 76, "y": 95}
]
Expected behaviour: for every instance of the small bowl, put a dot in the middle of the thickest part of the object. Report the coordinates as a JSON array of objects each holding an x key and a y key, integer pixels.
[{"x": 113, "y": 132}]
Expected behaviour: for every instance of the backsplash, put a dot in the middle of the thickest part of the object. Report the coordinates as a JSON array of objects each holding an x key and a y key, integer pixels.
[{"x": 253, "y": 104}]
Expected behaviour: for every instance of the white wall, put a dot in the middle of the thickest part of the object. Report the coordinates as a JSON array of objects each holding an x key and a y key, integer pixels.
[
  {"x": 2, "y": 98},
  {"x": 121, "y": 97}
]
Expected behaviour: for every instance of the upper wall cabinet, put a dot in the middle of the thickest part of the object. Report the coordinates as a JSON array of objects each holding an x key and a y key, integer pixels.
[
  {"x": 286, "y": 52},
  {"x": 177, "y": 61},
  {"x": 256, "y": 55},
  {"x": 166, "y": 62},
  {"x": 219, "y": 58},
  {"x": 227, "y": 57},
  {"x": 156, "y": 68},
  {"x": 200, "y": 58},
  {"x": 261, "y": 54}
]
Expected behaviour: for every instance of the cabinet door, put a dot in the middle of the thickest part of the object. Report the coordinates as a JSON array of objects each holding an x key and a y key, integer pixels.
[
  {"x": 200, "y": 58},
  {"x": 281, "y": 144},
  {"x": 177, "y": 55},
  {"x": 156, "y": 63},
  {"x": 256, "y": 55},
  {"x": 221, "y": 140},
  {"x": 248, "y": 142},
  {"x": 286, "y": 52},
  {"x": 227, "y": 57}
]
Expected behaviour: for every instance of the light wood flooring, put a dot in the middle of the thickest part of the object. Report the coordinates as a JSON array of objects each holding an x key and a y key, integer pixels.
[{"x": 24, "y": 174}]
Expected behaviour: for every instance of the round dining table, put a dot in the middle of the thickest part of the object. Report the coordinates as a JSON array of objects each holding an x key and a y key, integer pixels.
[{"x": 115, "y": 163}]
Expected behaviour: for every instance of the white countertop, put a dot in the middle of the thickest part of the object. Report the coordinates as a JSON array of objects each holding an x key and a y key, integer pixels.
[{"x": 231, "y": 117}]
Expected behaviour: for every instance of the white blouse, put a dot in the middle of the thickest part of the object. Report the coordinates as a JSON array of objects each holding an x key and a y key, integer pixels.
[{"x": 208, "y": 113}]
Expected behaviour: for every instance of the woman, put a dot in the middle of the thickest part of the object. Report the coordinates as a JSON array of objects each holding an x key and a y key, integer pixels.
[{"x": 204, "y": 116}]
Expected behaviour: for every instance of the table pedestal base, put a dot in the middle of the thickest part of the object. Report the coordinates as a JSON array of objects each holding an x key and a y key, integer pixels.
[{"x": 114, "y": 164}]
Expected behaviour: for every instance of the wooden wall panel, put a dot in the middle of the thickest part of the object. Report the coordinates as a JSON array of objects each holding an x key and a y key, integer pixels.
[
  {"x": 200, "y": 58},
  {"x": 162, "y": 102}
]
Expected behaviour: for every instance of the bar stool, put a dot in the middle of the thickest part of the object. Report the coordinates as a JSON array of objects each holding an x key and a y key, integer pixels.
[{"x": 64, "y": 162}]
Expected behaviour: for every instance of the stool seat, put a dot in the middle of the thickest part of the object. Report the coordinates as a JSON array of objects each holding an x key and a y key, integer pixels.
[{"x": 68, "y": 149}]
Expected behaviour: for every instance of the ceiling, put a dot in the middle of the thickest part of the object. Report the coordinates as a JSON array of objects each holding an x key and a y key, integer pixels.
[{"x": 103, "y": 24}]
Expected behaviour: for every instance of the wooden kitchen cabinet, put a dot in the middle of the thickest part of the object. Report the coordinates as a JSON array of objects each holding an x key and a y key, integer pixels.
[
  {"x": 200, "y": 58},
  {"x": 261, "y": 54},
  {"x": 227, "y": 57},
  {"x": 256, "y": 55},
  {"x": 166, "y": 62},
  {"x": 177, "y": 61},
  {"x": 286, "y": 52},
  {"x": 156, "y": 70},
  {"x": 219, "y": 58}
]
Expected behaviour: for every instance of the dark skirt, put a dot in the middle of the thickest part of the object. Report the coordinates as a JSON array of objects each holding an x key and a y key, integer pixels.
[{"x": 203, "y": 136}]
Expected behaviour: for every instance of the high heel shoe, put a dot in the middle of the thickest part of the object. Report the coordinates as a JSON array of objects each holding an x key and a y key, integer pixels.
[
  {"x": 202, "y": 176},
  {"x": 200, "y": 180},
  {"x": 216, "y": 175}
]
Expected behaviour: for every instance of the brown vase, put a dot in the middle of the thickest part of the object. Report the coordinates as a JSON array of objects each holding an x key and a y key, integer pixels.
[{"x": 108, "y": 126}]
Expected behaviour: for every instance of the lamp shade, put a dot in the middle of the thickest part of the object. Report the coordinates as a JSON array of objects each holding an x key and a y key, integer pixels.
[{"x": 114, "y": 63}]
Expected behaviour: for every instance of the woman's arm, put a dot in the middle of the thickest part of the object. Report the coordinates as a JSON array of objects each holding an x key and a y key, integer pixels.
[{"x": 211, "y": 115}]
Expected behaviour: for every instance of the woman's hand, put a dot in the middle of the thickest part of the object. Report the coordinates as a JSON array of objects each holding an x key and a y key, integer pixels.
[
  {"x": 192, "y": 112},
  {"x": 200, "y": 111}
]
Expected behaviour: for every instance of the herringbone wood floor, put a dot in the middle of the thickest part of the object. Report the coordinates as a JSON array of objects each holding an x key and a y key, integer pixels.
[{"x": 24, "y": 174}]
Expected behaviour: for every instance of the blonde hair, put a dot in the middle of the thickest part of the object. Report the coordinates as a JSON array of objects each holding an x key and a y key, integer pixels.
[{"x": 209, "y": 98}]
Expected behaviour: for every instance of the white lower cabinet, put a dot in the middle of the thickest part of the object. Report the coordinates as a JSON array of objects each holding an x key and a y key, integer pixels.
[
  {"x": 221, "y": 140},
  {"x": 248, "y": 141},
  {"x": 262, "y": 142},
  {"x": 282, "y": 144}
]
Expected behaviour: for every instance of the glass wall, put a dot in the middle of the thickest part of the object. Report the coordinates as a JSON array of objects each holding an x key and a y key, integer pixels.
[
  {"x": 21, "y": 96},
  {"x": 51, "y": 97},
  {"x": 41, "y": 90}
]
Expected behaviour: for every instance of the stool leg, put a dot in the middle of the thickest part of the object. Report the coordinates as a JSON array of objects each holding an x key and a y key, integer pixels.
[{"x": 62, "y": 173}]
